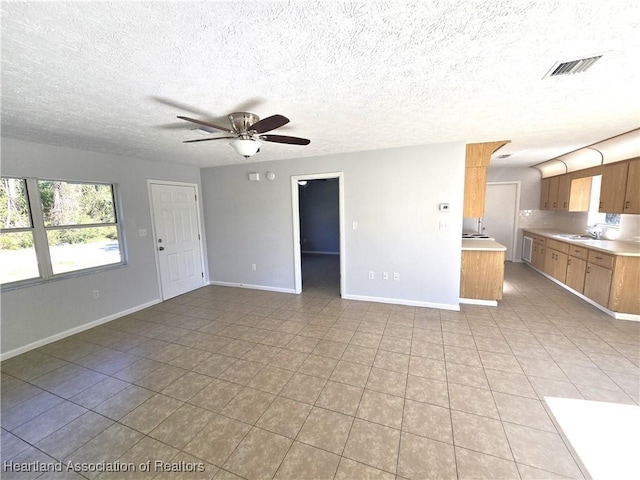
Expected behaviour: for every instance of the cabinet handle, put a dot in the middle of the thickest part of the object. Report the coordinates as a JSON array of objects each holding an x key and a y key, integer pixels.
[
  {"x": 599, "y": 258},
  {"x": 600, "y": 205},
  {"x": 569, "y": 262},
  {"x": 588, "y": 269},
  {"x": 626, "y": 205}
]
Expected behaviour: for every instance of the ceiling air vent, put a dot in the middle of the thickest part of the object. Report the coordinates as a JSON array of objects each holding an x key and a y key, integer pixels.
[{"x": 570, "y": 67}]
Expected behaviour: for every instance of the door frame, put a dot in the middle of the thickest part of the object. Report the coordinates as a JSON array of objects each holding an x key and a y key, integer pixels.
[
  {"x": 154, "y": 235},
  {"x": 295, "y": 207},
  {"x": 514, "y": 242}
]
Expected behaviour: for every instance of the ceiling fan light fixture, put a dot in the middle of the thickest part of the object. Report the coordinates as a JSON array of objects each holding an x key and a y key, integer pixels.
[{"x": 245, "y": 147}]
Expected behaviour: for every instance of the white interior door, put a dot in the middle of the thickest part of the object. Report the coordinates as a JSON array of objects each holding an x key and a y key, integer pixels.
[
  {"x": 177, "y": 237},
  {"x": 501, "y": 213}
]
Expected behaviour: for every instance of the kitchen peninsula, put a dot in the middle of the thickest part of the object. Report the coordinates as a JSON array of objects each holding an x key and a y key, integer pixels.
[{"x": 482, "y": 271}]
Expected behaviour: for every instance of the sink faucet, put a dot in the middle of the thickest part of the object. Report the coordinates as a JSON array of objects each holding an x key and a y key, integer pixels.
[{"x": 597, "y": 234}]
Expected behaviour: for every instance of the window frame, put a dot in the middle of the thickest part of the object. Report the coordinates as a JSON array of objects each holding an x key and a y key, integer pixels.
[{"x": 41, "y": 241}]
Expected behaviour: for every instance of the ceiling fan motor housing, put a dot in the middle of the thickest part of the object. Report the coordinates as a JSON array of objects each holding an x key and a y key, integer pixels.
[{"x": 241, "y": 121}]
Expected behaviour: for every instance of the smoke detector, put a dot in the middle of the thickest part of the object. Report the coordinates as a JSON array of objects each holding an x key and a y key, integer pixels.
[{"x": 576, "y": 65}]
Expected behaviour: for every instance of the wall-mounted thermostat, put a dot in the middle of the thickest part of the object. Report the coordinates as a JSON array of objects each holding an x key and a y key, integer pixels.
[
  {"x": 271, "y": 176},
  {"x": 444, "y": 207},
  {"x": 254, "y": 177}
]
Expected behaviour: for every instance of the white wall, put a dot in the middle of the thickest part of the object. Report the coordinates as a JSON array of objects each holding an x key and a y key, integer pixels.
[
  {"x": 34, "y": 313},
  {"x": 392, "y": 194}
]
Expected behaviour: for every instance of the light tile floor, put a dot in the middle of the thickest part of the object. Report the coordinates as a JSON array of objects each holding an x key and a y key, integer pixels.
[{"x": 255, "y": 384}]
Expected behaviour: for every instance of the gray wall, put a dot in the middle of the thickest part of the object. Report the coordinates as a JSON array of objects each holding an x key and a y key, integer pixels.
[
  {"x": 320, "y": 216},
  {"x": 392, "y": 194},
  {"x": 530, "y": 180},
  {"x": 31, "y": 314}
]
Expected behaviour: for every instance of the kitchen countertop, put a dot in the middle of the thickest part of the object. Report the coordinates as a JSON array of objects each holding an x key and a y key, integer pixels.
[
  {"x": 613, "y": 247},
  {"x": 482, "y": 244}
]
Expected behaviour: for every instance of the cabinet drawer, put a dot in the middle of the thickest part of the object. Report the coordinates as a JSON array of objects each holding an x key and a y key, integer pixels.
[
  {"x": 578, "y": 252},
  {"x": 539, "y": 240},
  {"x": 602, "y": 259},
  {"x": 559, "y": 246}
]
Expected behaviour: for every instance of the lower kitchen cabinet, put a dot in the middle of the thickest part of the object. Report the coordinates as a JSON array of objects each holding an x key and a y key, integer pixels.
[
  {"x": 610, "y": 280},
  {"x": 576, "y": 271},
  {"x": 597, "y": 284},
  {"x": 482, "y": 274}
]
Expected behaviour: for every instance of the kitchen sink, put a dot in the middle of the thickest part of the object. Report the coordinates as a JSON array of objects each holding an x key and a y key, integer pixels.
[{"x": 578, "y": 237}]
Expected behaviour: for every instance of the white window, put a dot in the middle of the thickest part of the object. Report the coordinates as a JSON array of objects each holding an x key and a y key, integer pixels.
[{"x": 51, "y": 228}]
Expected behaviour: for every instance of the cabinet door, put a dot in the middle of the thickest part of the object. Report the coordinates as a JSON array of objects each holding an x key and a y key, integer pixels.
[
  {"x": 540, "y": 257},
  {"x": 549, "y": 259},
  {"x": 564, "y": 190},
  {"x": 560, "y": 266},
  {"x": 597, "y": 284},
  {"x": 613, "y": 188},
  {"x": 576, "y": 270},
  {"x": 475, "y": 185},
  {"x": 544, "y": 194},
  {"x": 632, "y": 197},
  {"x": 554, "y": 182},
  {"x": 580, "y": 194}
]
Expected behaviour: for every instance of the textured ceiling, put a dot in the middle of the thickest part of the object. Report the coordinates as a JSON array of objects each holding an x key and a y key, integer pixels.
[{"x": 112, "y": 76}]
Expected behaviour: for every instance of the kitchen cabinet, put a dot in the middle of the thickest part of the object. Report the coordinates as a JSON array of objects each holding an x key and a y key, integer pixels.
[
  {"x": 544, "y": 193},
  {"x": 609, "y": 279},
  {"x": 579, "y": 194},
  {"x": 597, "y": 284},
  {"x": 555, "y": 259},
  {"x": 632, "y": 195},
  {"x": 625, "y": 285},
  {"x": 565, "y": 193},
  {"x": 554, "y": 182},
  {"x": 576, "y": 268},
  {"x": 613, "y": 187},
  {"x": 482, "y": 274},
  {"x": 478, "y": 157},
  {"x": 538, "y": 255},
  {"x": 475, "y": 190}
]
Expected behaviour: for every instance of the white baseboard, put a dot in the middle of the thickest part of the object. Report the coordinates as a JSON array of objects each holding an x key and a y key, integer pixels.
[
  {"x": 399, "y": 301},
  {"x": 74, "y": 330},
  {"x": 253, "y": 287},
  {"x": 617, "y": 315},
  {"x": 477, "y": 301}
]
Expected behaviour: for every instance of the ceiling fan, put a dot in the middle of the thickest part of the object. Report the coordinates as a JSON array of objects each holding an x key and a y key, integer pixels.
[{"x": 246, "y": 132}]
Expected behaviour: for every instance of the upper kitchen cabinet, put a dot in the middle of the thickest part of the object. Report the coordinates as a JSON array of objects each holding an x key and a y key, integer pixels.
[
  {"x": 632, "y": 196},
  {"x": 620, "y": 190},
  {"x": 478, "y": 157},
  {"x": 565, "y": 193}
]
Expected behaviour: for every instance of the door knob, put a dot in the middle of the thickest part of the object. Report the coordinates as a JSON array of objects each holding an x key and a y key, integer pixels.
[{"x": 161, "y": 248}]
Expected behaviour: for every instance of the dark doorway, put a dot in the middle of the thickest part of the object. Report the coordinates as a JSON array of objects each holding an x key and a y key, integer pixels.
[{"x": 319, "y": 206}]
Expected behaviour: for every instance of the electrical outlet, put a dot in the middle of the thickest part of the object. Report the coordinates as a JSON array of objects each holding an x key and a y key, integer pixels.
[
  {"x": 253, "y": 267},
  {"x": 396, "y": 277},
  {"x": 96, "y": 294},
  {"x": 371, "y": 275},
  {"x": 443, "y": 226},
  {"x": 385, "y": 276},
  {"x": 142, "y": 232},
  {"x": 355, "y": 225}
]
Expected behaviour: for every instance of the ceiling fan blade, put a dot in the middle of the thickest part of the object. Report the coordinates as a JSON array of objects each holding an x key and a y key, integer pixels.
[
  {"x": 179, "y": 105},
  {"x": 206, "y": 124},
  {"x": 207, "y": 139},
  {"x": 269, "y": 123},
  {"x": 285, "y": 139},
  {"x": 248, "y": 105}
]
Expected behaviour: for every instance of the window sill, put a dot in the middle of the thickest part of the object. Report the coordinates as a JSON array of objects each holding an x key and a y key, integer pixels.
[{"x": 32, "y": 282}]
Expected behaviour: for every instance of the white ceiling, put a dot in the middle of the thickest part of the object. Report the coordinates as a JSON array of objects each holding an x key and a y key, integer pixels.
[{"x": 112, "y": 76}]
